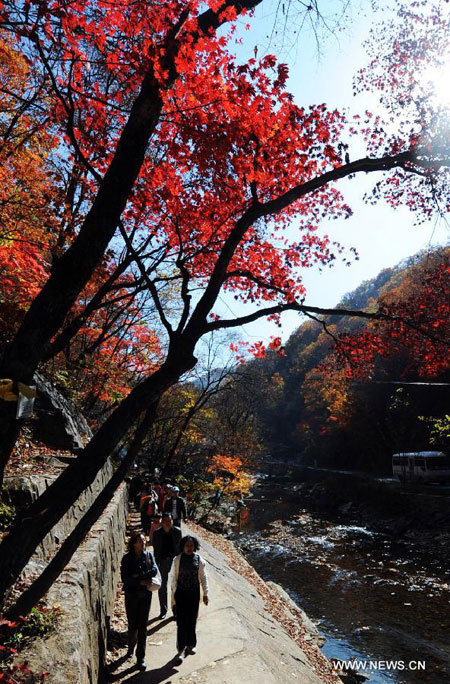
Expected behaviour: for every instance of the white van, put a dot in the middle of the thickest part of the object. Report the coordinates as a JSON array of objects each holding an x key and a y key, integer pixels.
[{"x": 421, "y": 466}]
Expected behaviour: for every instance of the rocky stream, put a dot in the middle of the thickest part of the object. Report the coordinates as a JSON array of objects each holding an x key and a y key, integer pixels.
[{"x": 378, "y": 594}]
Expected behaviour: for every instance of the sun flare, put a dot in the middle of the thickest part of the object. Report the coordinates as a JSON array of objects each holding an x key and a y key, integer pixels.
[{"x": 436, "y": 80}]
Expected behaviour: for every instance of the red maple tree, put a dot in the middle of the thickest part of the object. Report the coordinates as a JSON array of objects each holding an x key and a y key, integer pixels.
[{"x": 198, "y": 163}]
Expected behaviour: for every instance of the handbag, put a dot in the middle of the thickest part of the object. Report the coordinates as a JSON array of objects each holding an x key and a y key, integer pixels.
[{"x": 156, "y": 580}]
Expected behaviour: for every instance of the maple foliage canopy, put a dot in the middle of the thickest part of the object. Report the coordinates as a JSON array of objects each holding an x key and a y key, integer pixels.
[
  {"x": 232, "y": 159},
  {"x": 228, "y": 134},
  {"x": 25, "y": 192},
  {"x": 188, "y": 166}
]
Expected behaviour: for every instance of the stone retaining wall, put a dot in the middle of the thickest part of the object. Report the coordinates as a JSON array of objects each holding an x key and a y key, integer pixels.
[
  {"x": 32, "y": 486},
  {"x": 85, "y": 590}
]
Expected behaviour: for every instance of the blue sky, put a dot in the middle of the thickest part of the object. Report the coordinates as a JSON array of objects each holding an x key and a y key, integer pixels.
[{"x": 382, "y": 236}]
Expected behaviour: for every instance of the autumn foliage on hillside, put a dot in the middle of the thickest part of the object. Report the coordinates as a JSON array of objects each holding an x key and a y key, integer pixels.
[
  {"x": 418, "y": 328},
  {"x": 350, "y": 393},
  {"x": 357, "y": 390}
]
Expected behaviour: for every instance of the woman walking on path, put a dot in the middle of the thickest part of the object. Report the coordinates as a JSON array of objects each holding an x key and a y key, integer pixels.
[
  {"x": 187, "y": 574},
  {"x": 137, "y": 569}
]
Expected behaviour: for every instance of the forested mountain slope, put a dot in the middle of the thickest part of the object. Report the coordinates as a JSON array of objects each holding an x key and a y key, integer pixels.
[{"x": 324, "y": 414}]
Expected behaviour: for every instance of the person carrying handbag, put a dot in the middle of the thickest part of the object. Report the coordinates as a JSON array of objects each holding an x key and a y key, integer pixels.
[{"x": 140, "y": 577}]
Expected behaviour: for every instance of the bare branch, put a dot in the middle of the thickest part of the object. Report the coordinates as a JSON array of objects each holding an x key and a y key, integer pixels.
[
  {"x": 150, "y": 284},
  {"x": 185, "y": 296}
]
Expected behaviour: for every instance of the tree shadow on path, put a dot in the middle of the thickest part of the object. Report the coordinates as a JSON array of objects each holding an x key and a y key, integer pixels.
[
  {"x": 149, "y": 676},
  {"x": 117, "y": 639},
  {"x": 162, "y": 623},
  {"x": 111, "y": 677},
  {"x": 161, "y": 674}
]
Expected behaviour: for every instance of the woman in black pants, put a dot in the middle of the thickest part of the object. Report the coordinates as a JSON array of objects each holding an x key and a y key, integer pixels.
[
  {"x": 188, "y": 573},
  {"x": 137, "y": 570}
]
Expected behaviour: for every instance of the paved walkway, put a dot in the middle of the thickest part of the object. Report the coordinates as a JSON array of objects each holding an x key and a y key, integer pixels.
[{"x": 238, "y": 642}]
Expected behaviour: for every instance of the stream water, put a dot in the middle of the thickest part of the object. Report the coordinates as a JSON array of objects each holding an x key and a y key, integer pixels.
[{"x": 375, "y": 599}]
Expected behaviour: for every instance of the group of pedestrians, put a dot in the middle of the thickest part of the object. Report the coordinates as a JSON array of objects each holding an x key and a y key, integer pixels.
[
  {"x": 175, "y": 560},
  {"x": 153, "y": 500}
]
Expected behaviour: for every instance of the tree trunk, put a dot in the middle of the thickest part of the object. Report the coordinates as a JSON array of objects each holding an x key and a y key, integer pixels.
[
  {"x": 20, "y": 543},
  {"x": 10, "y": 433},
  {"x": 74, "y": 269},
  {"x": 42, "y": 584},
  {"x": 174, "y": 446}
]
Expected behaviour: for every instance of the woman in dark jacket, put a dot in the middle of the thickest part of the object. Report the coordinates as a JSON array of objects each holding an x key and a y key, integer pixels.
[{"x": 137, "y": 569}]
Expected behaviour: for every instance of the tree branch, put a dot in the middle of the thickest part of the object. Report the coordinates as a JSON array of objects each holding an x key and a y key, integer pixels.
[
  {"x": 305, "y": 309},
  {"x": 365, "y": 165},
  {"x": 254, "y": 279},
  {"x": 77, "y": 323},
  {"x": 292, "y": 306},
  {"x": 259, "y": 210},
  {"x": 150, "y": 284}
]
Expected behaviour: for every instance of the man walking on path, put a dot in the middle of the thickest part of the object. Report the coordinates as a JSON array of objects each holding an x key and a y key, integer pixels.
[
  {"x": 176, "y": 506},
  {"x": 166, "y": 545}
]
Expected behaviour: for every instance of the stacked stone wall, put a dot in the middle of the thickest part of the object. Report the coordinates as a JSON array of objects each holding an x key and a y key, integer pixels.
[{"x": 85, "y": 591}]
